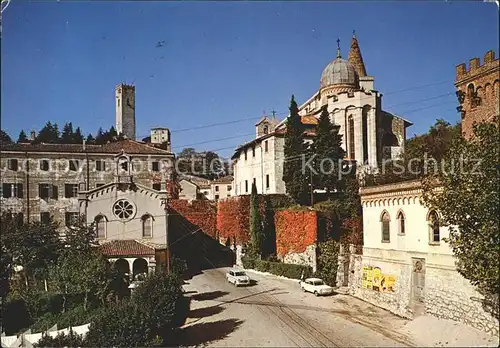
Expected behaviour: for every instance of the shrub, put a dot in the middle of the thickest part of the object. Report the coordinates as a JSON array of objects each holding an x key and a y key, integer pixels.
[
  {"x": 61, "y": 340},
  {"x": 328, "y": 261},
  {"x": 277, "y": 268},
  {"x": 15, "y": 315}
]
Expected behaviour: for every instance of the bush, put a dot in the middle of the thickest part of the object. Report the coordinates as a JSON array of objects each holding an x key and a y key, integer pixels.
[
  {"x": 155, "y": 309},
  {"x": 73, "y": 317},
  {"x": 328, "y": 261},
  {"x": 15, "y": 315},
  {"x": 61, "y": 340},
  {"x": 277, "y": 268}
]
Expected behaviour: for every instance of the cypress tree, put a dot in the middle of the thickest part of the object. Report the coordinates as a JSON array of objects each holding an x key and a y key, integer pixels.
[
  {"x": 328, "y": 154},
  {"x": 255, "y": 223},
  {"x": 22, "y": 137},
  {"x": 295, "y": 156}
]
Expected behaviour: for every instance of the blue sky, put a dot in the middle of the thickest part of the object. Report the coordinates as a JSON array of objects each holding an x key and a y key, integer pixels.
[{"x": 226, "y": 61}]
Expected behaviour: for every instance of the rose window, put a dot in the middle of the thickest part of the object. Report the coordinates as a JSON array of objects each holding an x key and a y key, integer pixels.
[{"x": 124, "y": 209}]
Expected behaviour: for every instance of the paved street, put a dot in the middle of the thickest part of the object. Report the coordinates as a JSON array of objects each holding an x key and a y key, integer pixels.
[{"x": 274, "y": 312}]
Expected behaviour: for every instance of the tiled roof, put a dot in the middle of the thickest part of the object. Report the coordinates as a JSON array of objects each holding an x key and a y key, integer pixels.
[
  {"x": 309, "y": 119},
  {"x": 224, "y": 179},
  {"x": 128, "y": 248},
  {"x": 128, "y": 146}
]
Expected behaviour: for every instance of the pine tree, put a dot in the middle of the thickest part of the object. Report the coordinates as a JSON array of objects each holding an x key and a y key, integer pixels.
[
  {"x": 67, "y": 133},
  {"x": 328, "y": 154},
  {"x": 295, "y": 156},
  {"x": 112, "y": 133},
  {"x": 90, "y": 139},
  {"x": 48, "y": 134},
  {"x": 4, "y": 137},
  {"x": 77, "y": 136},
  {"x": 255, "y": 223},
  {"x": 22, "y": 137},
  {"x": 100, "y": 137}
]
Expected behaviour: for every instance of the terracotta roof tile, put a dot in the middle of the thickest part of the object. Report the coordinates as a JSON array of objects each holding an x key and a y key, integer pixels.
[
  {"x": 309, "y": 119},
  {"x": 126, "y": 248},
  {"x": 128, "y": 146},
  {"x": 224, "y": 179}
]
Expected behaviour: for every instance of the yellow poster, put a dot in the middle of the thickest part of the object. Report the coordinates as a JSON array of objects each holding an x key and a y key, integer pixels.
[
  {"x": 388, "y": 282},
  {"x": 367, "y": 277},
  {"x": 377, "y": 278}
]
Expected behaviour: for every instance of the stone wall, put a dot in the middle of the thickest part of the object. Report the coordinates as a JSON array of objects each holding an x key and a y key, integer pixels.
[
  {"x": 307, "y": 258},
  {"x": 446, "y": 293}
]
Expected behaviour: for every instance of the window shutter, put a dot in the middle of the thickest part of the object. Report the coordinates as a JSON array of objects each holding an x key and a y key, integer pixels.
[
  {"x": 55, "y": 193},
  {"x": 20, "y": 190},
  {"x": 7, "y": 190}
]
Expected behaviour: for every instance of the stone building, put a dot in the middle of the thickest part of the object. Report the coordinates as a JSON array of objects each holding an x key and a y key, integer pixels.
[
  {"x": 369, "y": 134},
  {"x": 478, "y": 90},
  {"x": 406, "y": 266},
  {"x": 125, "y": 110}
]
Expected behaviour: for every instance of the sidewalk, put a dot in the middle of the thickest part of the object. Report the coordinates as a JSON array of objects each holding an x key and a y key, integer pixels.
[{"x": 429, "y": 331}]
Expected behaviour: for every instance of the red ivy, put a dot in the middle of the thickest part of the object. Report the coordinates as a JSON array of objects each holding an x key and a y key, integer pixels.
[
  {"x": 233, "y": 219},
  {"x": 200, "y": 213},
  {"x": 295, "y": 231}
]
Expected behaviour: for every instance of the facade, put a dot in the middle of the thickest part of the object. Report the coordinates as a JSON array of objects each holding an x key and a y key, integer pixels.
[
  {"x": 125, "y": 110},
  {"x": 160, "y": 135},
  {"x": 189, "y": 190},
  {"x": 406, "y": 265},
  {"x": 369, "y": 134},
  {"x": 221, "y": 188},
  {"x": 43, "y": 180},
  {"x": 478, "y": 89}
]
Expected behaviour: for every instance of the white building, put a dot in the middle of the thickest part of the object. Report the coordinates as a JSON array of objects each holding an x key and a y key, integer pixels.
[
  {"x": 222, "y": 188},
  {"x": 406, "y": 265},
  {"x": 369, "y": 133}
]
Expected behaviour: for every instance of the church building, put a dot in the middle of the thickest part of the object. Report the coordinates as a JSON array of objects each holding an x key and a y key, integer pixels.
[{"x": 369, "y": 134}]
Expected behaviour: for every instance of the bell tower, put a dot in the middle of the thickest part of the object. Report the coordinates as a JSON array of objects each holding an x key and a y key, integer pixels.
[{"x": 125, "y": 110}]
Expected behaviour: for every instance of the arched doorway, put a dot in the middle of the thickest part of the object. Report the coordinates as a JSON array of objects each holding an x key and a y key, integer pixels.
[
  {"x": 139, "y": 266},
  {"x": 121, "y": 283},
  {"x": 122, "y": 266}
]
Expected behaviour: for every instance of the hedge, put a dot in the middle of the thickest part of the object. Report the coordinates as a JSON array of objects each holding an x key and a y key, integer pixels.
[{"x": 277, "y": 268}]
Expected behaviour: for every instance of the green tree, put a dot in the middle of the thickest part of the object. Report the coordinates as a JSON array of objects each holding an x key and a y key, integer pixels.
[
  {"x": 77, "y": 136},
  {"x": 90, "y": 139},
  {"x": 67, "y": 133},
  {"x": 327, "y": 154},
  {"x": 48, "y": 134},
  {"x": 466, "y": 194},
  {"x": 4, "y": 137},
  {"x": 256, "y": 232},
  {"x": 294, "y": 176},
  {"x": 22, "y": 137}
]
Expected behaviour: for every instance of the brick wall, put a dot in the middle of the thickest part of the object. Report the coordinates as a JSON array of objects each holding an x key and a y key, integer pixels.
[{"x": 484, "y": 79}]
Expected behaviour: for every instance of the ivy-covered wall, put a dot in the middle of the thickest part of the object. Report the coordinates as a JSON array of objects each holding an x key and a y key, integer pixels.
[
  {"x": 200, "y": 213},
  {"x": 295, "y": 231},
  {"x": 233, "y": 220}
]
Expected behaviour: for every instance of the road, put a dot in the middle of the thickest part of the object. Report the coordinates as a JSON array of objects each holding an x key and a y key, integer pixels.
[{"x": 274, "y": 312}]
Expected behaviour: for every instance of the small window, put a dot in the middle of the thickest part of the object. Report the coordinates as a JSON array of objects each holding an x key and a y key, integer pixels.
[
  {"x": 100, "y": 165},
  {"x": 155, "y": 166},
  {"x": 45, "y": 218},
  {"x": 216, "y": 198},
  {"x": 147, "y": 226},
  {"x": 100, "y": 226},
  {"x": 46, "y": 191},
  {"x": 216, "y": 188},
  {"x": 73, "y": 165},
  {"x": 71, "y": 219},
  {"x": 266, "y": 148},
  {"x": 44, "y": 165},
  {"x": 12, "y": 190},
  {"x": 246, "y": 185},
  {"x": 157, "y": 186},
  {"x": 245, "y": 155},
  {"x": 434, "y": 233},
  {"x": 70, "y": 190},
  {"x": 13, "y": 164},
  {"x": 267, "y": 180},
  {"x": 253, "y": 151},
  {"x": 266, "y": 129},
  {"x": 401, "y": 222},
  {"x": 386, "y": 232},
  {"x": 229, "y": 187}
]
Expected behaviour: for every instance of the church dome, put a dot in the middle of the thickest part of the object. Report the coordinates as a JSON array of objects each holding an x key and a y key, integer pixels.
[{"x": 339, "y": 72}]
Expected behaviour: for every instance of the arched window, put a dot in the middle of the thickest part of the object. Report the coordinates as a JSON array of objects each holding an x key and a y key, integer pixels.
[
  {"x": 386, "y": 231},
  {"x": 433, "y": 220},
  {"x": 100, "y": 221},
  {"x": 401, "y": 222},
  {"x": 266, "y": 130},
  {"x": 147, "y": 226},
  {"x": 352, "y": 151},
  {"x": 470, "y": 90}
]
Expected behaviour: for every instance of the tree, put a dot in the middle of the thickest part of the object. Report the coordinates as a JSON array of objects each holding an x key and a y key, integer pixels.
[
  {"x": 295, "y": 154},
  {"x": 22, "y": 137},
  {"x": 67, "y": 133},
  {"x": 90, "y": 139},
  {"x": 255, "y": 223},
  {"x": 48, "y": 134},
  {"x": 466, "y": 194},
  {"x": 112, "y": 134},
  {"x": 100, "y": 137},
  {"x": 4, "y": 137},
  {"x": 77, "y": 136},
  {"x": 327, "y": 153}
]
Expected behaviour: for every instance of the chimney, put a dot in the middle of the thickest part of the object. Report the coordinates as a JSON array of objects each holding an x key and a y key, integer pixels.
[{"x": 33, "y": 135}]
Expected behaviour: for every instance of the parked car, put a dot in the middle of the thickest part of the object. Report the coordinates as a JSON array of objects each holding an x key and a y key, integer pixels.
[
  {"x": 316, "y": 286},
  {"x": 237, "y": 277}
]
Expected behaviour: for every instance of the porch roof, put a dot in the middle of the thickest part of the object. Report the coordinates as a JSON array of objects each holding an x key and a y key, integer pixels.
[{"x": 129, "y": 248}]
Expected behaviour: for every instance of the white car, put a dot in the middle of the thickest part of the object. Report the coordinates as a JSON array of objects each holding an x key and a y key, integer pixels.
[
  {"x": 316, "y": 286},
  {"x": 237, "y": 277}
]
